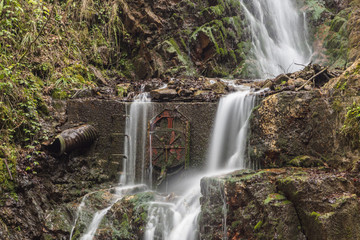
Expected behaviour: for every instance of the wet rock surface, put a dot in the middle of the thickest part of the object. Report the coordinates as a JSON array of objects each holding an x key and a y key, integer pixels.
[
  {"x": 291, "y": 124},
  {"x": 125, "y": 219},
  {"x": 308, "y": 128},
  {"x": 284, "y": 203},
  {"x": 184, "y": 37}
]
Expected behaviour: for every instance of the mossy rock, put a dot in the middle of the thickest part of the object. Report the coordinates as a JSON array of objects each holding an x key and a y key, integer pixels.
[{"x": 305, "y": 161}]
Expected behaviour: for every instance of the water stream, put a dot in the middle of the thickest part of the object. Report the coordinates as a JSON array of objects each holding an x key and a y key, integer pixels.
[
  {"x": 279, "y": 43},
  {"x": 279, "y": 36},
  {"x": 135, "y": 139},
  {"x": 120, "y": 192},
  {"x": 134, "y": 148},
  {"x": 177, "y": 219},
  {"x": 229, "y": 137}
]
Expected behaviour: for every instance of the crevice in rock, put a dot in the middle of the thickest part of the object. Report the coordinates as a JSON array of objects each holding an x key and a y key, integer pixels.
[{"x": 296, "y": 211}]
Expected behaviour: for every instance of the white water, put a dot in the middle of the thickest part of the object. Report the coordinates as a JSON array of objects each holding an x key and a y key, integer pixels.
[
  {"x": 120, "y": 192},
  {"x": 177, "y": 220},
  {"x": 95, "y": 223},
  {"x": 135, "y": 137},
  {"x": 78, "y": 213},
  {"x": 230, "y": 131},
  {"x": 279, "y": 36},
  {"x": 279, "y": 40}
]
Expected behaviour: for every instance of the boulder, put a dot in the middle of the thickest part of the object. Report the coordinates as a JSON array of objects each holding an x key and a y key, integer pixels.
[{"x": 286, "y": 203}]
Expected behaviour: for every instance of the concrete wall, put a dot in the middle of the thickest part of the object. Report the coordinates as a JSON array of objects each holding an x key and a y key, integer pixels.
[{"x": 109, "y": 117}]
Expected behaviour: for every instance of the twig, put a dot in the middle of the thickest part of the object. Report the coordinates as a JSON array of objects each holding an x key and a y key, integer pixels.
[
  {"x": 8, "y": 169},
  {"x": 311, "y": 78}
]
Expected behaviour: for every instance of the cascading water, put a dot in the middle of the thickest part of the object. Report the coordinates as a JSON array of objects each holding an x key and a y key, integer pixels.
[
  {"x": 135, "y": 139},
  {"x": 279, "y": 36},
  {"x": 279, "y": 40},
  {"x": 229, "y": 137},
  {"x": 226, "y": 153},
  {"x": 120, "y": 192},
  {"x": 78, "y": 212}
]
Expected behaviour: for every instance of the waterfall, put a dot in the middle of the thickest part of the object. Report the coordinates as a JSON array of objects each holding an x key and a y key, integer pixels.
[
  {"x": 229, "y": 137},
  {"x": 120, "y": 192},
  {"x": 279, "y": 36},
  {"x": 134, "y": 149},
  {"x": 225, "y": 154},
  {"x": 135, "y": 139},
  {"x": 78, "y": 212}
]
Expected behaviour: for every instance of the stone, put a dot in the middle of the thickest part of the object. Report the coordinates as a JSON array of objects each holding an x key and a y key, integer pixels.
[
  {"x": 163, "y": 94},
  {"x": 288, "y": 124}
]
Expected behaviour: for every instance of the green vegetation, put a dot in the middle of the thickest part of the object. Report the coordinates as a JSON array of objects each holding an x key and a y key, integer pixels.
[
  {"x": 317, "y": 8},
  {"x": 274, "y": 197},
  {"x": 336, "y": 41},
  {"x": 351, "y": 126},
  {"x": 49, "y": 49}
]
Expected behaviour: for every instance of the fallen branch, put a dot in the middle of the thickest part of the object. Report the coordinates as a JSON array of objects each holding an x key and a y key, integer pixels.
[
  {"x": 297, "y": 89},
  {"x": 8, "y": 169}
]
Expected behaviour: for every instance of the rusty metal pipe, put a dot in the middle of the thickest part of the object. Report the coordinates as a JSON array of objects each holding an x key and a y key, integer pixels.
[{"x": 73, "y": 138}]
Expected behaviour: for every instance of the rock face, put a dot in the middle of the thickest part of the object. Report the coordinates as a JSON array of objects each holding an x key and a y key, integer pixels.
[
  {"x": 308, "y": 128},
  {"x": 289, "y": 124},
  {"x": 335, "y": 27},
  {"x": 125, "y": 218},
  {"x": 318, "y": 132},
  {"x": 183, "y": 37},
  {"x": 285, "y": 203}
]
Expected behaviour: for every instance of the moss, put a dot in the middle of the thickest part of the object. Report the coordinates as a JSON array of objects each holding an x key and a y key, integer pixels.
[
  {"x": 233, "y": 4},
  {"x": 43, "y": 70},
  {"x": 216, "y": 32},
  {"x": 301, "y": 161},
  {"x": 216, "y": 10},
  {"x": 336, "y": 41},
  {"x": 342, "y": 199},
  {"x": 274, "y": 197},
  {"x": 125, "y": 226},
  {"x": 121, "y": 91},
  {"x": 316, "y": 8},
  {"x": 341, "y": 85},
  {"x": 184, "y": 59},
  {"x": 141, "y": 198},
  {"x": 6, "y": 183},
  {"x": 350, "y": 129},
  {"x": 294, "y": 178},
  {"x": 245, "y": 175},
  {"x": 220, "y": 71}
]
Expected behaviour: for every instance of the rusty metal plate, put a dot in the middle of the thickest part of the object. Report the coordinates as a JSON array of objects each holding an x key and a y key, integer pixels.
[{"x": 169, "y": 141}]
